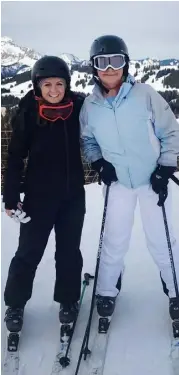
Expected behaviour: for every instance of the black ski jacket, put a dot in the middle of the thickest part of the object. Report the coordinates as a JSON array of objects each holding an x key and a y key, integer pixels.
[{"x": 52, "y": 150}]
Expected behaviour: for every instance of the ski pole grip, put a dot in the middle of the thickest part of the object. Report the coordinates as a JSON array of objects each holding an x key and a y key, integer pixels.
[{"x": 87, "y": 278}]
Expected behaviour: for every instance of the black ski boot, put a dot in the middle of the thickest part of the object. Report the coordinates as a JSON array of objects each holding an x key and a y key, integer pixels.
[
  {"x": 68, "y": 312},
  {"x": 105, "y": 305},
  {"x": 105, "y": 308},
  {"x": 174, "y": 313},
  {"x": 14, "y": 319}
]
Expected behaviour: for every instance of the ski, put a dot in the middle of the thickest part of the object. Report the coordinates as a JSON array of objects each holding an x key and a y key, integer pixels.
[
  {"x": 63, "y": 357},
  {"x": 61, "y": 360},
  {"x": 11, "y": 360},
  {"x": 95, "y": 361},
  {"x": 174, "y": 353}
]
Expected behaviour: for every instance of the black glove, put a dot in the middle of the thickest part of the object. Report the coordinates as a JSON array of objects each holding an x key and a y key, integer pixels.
[
  {"x": 159, "y": 181},
  {"x": 105, "y": 170}
]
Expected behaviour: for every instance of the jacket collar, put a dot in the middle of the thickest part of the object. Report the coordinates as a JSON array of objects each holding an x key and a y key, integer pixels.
[{"x": 98, "y": 98}]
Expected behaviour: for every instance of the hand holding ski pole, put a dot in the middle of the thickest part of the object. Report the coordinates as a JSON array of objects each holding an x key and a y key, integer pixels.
[
  {"x": 159, "y": 181},
  {"x": 162, "y": 197},
  {"x": 164, "y": 192}
]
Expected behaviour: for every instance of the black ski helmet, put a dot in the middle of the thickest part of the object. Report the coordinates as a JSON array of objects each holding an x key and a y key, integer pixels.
[
  {"x": 109, "y": 44},
  {"x": 49, "y": 66}
]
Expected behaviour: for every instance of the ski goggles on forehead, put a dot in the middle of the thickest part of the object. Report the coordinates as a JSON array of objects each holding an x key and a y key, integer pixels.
[
  {"x": 53, "y": 113},
  {"x": 103, "y": 62}
]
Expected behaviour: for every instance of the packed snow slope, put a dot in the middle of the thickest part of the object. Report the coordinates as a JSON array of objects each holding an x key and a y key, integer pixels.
[{"x": 139, "y": 341}]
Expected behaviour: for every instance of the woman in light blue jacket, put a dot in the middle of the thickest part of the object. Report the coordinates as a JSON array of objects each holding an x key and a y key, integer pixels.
[{"x": 131, "y": 137}]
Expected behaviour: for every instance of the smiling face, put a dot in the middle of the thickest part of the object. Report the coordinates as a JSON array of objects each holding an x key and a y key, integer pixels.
[
  {"x": 53, "y": 89},
  {"x": 111, "y": 78}
]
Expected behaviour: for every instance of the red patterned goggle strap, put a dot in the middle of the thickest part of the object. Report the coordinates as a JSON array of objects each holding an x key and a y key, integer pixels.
[{"x": 55, "y": 112}]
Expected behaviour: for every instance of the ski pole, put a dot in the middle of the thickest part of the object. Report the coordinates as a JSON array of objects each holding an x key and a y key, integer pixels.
[
  {"x": 84, "y": 347},
  {"x": 65, "y": 361},
  {"x": 170, "y": 251},
  {"x": 175, "y": 179}
]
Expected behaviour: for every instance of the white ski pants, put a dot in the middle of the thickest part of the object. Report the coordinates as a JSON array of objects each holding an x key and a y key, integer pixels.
[{"x": 119, "y": 222}]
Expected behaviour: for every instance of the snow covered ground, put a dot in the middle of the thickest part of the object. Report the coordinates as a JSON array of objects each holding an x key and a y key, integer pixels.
[{"x": 139, "y": 341}]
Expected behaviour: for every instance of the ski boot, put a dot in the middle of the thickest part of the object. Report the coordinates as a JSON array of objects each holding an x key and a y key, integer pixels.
[
  {"x": 14, "y": 321},
  {"x": 68, "y": 312},
  {"x": 174, "y": 313},
  {"x": 67, "y": 315},
  {"x": 105, "y": 309}
]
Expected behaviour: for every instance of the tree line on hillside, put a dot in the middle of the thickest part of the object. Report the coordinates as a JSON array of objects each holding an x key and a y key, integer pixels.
[
  {"x": 81, "y": 68},
  {"x": 172, "y": 80},
  {"x": 9, "y": 101},
  {"x": 19, "y": 78},
  {"x": 151, "y": 67},
  {"x": 26, "y": 76},
  {"x": 172, "y": 97},
  {"x": 164, "y": 72}
]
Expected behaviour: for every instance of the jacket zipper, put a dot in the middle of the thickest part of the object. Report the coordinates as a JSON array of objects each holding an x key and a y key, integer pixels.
[
  {"x": 124, "y": 149},
  {"x": 67, "y": 155}
]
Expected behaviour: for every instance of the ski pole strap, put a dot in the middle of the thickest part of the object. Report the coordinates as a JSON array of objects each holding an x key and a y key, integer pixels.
[{"x": 175, "y": 179}]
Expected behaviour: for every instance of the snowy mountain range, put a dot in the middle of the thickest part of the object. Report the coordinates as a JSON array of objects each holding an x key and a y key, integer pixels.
[
  {"x": 17, "y": 61},
  {"x": 14, "y": 57}
]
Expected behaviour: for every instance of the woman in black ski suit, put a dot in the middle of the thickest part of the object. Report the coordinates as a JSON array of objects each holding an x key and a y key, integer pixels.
[{"x": 46, "y": 131}]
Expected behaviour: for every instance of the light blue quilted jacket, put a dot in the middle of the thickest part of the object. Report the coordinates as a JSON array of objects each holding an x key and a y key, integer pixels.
[{"x": 134, "y": 133}]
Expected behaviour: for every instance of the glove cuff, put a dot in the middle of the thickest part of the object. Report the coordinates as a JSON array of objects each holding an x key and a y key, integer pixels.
[
  {"x": 165, "y": 171},
  {"x": 98, "y": 164},
  {"x": 10, "y": 206}
]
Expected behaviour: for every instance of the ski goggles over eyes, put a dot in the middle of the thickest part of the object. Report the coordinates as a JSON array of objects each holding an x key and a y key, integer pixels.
[
  {"x": 103, "y": 62},
  {"x": 53, "y": 113}
]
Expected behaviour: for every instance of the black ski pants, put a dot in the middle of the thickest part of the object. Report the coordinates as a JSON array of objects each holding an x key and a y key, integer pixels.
[{"x": 67, "y": 219}]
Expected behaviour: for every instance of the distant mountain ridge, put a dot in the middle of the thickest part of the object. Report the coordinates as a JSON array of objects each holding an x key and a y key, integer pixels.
[
  {"x": 17, "y": 62},
  {"x": 15, "y": 58}
]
